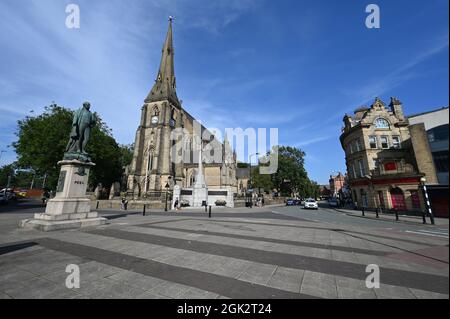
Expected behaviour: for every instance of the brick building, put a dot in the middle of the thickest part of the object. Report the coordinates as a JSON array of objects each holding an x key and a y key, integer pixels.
[{"x": 337, "y": 184}]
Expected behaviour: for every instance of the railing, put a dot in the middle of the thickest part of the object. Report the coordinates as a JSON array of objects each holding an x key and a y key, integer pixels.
[{"x": 392, "y": 212}]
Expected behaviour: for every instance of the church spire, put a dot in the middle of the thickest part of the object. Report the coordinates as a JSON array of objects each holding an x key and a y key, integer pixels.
[{"x": 165, "y": 84}]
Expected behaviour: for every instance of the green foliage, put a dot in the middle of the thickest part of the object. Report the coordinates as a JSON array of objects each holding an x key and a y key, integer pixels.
[
  {"x": 291, "y": 176},
  {"x": 17, "y": 178},
  {"x": 5, "y": 171},
  {"x": 261, "y": 181},
  {"x": 126, "y": 152},
  {"x": 42, "y": 141}
]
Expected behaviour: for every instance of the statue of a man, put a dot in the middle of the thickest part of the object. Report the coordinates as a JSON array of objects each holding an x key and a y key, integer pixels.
[{"x": 83, "y": 122}]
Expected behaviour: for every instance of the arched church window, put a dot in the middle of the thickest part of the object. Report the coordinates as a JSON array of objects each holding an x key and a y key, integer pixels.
[
  {"x": 155, "y": 110},
  {"x": 381, "y": 123}
]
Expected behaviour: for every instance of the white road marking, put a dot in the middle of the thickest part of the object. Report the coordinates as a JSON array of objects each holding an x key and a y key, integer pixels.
[
  {"x": 426, "y": 234},
  {"x": 441, "y": 232}
]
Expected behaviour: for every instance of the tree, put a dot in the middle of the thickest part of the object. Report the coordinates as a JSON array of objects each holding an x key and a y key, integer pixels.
[
  {"x": 291, "y": 176},
  {"x": 6, "y": 173},
  {"x": 126, "y": 154},
  {"x": 262, "y": 181},
  {"x": 42, "y": 141}
]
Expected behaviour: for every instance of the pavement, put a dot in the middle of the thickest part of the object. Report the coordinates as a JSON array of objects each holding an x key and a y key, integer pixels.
[
  {"x": 272, "y": 252},
  {"x": 391, "y": 217}
]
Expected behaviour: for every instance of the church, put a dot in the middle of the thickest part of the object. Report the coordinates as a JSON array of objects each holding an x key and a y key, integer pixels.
[{"x": 168, "y": 141}]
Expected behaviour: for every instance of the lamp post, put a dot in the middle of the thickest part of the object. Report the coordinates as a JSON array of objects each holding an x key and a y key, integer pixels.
[
  {"x": 372, "y": 189},
  {"x": 423, "y": 181},
  {"x": 167, "y": 194}
]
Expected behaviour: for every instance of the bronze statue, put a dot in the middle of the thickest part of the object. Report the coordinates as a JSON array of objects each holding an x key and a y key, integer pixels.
[{"x": 83, "y": 122}]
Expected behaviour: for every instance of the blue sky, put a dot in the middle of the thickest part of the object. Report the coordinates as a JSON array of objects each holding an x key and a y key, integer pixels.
[{"x": 295, "y": 65}]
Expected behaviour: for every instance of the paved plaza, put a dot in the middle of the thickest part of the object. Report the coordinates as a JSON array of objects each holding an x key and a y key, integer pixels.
[{"x": 270, "y": 252}]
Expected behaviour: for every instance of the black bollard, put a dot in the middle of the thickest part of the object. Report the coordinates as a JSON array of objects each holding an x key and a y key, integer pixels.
[
  {"x": 424, "y": 218},
  {"x": 363, "y": 213},
  {"x": 209, "y": 214},
  {"x": 97, "y": 204},
  {"x": 432, "y": 219},
  {"x": 378, "y": 212},
  {"x": 143, "y": 211},
  {"x": 396, "y": 215}
]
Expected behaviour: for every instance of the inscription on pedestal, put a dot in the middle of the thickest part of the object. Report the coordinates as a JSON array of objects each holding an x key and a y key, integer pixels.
[{"x": 61, "y": 181}]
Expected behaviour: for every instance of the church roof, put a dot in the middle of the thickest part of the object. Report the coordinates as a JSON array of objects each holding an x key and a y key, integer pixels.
[{"x": 165, "y": 83}]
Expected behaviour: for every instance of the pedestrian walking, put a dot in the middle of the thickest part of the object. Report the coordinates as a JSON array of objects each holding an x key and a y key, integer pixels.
[{"x": 124, "y": 204}]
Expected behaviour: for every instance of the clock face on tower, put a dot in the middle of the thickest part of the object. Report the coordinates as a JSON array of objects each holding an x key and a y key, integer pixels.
[{"x": 154, "y": 120}]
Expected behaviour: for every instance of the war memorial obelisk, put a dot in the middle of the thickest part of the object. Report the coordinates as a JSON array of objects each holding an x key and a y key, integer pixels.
[{"x": 71, "y": 208}]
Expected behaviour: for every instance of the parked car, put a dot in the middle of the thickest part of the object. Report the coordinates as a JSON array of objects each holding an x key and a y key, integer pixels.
[
  {"x": 333, "y": 202},
  {"x": 311, "y": 203},
  {"x": 290, "y": 202},
  {"x": 293, "y": 202},
  {"x": 8, "y": 193}
]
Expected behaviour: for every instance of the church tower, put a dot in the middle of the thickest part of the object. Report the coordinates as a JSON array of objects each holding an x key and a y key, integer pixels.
[{"x": 153, "y": 164}]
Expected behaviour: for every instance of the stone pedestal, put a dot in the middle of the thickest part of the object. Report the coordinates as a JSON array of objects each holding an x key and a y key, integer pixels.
[
  {"x": 70, "y": 208},
  {"x": 199, "y": 195},
  {"x": 176, "y": 196},
  {"x": 230, "y": 197}
]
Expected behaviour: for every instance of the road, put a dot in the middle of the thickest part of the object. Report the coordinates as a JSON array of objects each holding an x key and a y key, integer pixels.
[
  {"x": 270, "y": 252},
  {"x": 332, "y": 216}
]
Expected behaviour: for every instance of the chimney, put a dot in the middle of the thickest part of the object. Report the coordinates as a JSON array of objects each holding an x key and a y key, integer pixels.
[{"x": 397, "y": 108}]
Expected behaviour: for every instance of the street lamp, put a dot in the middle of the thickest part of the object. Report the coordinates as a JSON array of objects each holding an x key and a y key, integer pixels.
[
  {"x": 167, "y": 192},
  {"x": 423, "y": 181}
]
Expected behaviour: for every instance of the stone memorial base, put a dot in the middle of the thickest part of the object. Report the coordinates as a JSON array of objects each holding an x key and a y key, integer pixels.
[
  {"x": 199, "y": 195},
  {"x": 70, "y": 208}
]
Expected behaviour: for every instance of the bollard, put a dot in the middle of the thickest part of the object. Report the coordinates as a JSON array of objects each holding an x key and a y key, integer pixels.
[
  {"x": 363, "y": 213},
  {"x": 143, "y": 211},
  {"x": 209, "y": 215},
  {"x": 378, "y": 212},
  {"x": 396, "y": 215},
  {"x": 423, "y": 218},
  {"x": 97, "y": 204},
  {"x": 432, "y": 219},
  {"x": 206, "y": 208}
]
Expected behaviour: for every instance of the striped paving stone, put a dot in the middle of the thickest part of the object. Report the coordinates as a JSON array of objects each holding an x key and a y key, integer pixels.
[
  {"x": 353, "y": 255},
  {"x": 189, "y": 258},
  {"x": 390, "y": 276}
]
